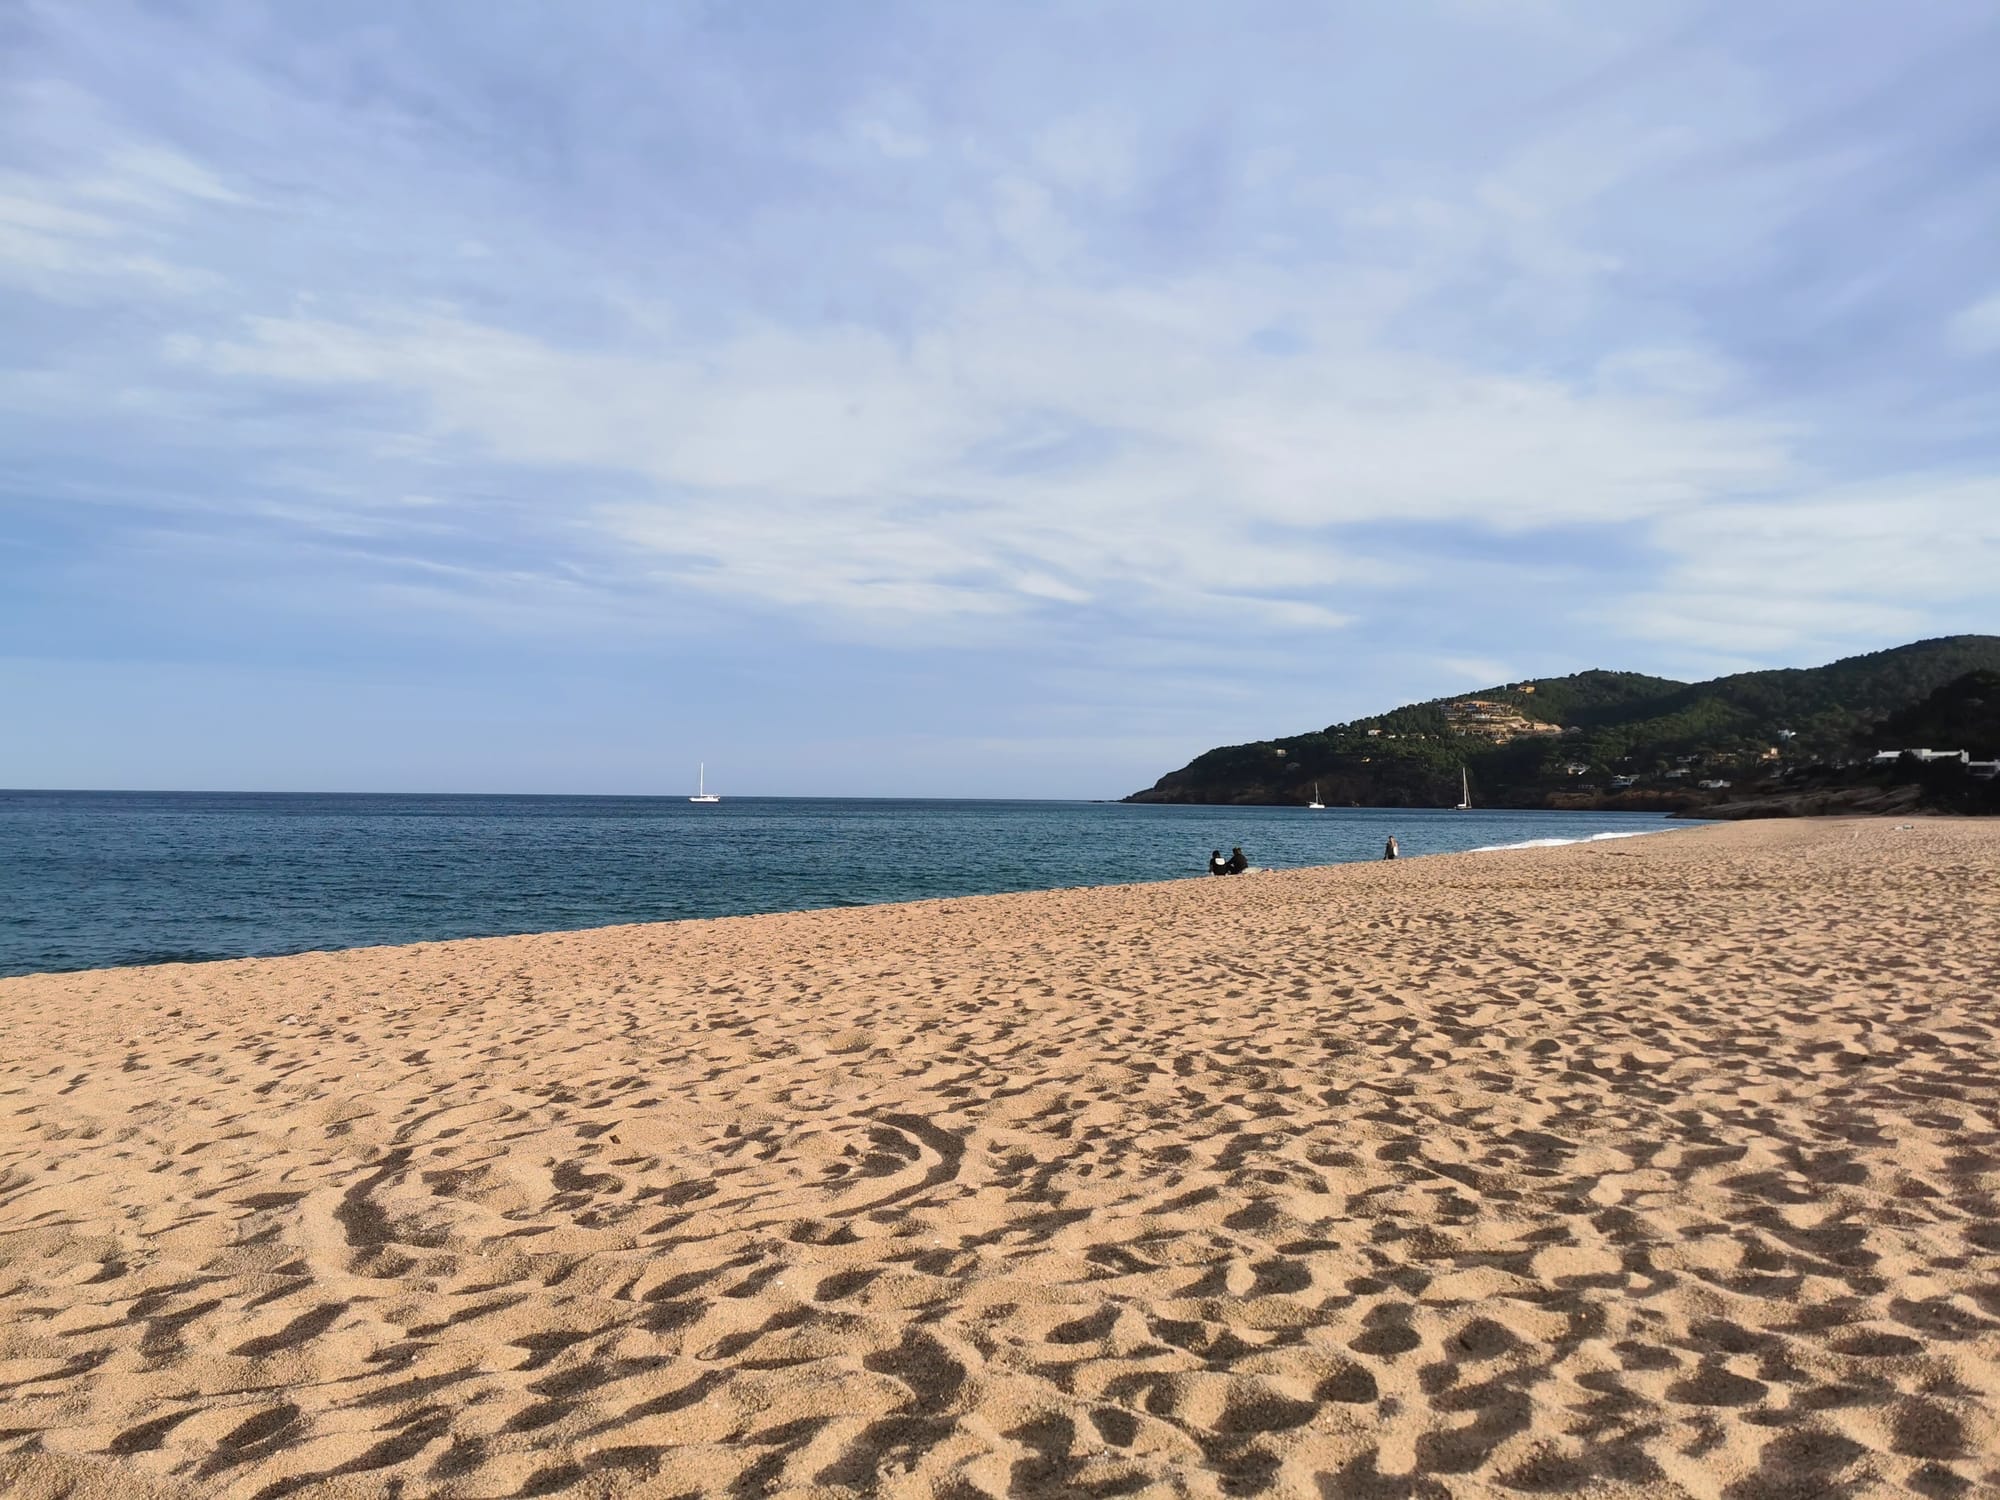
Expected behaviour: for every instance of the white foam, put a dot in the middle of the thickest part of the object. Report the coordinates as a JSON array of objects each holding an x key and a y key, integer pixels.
[{"x": 1591, "y": 838}]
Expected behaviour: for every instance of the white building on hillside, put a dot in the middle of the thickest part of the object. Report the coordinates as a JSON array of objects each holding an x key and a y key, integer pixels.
[{"x": 1884, "y": 757}]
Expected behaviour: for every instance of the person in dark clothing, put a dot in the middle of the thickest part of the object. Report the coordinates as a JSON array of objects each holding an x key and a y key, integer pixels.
[
  {"x": 1389, "y": 849},
  {"x": 1217, "y": 865},
  {"x": 1238, "y": 863}
]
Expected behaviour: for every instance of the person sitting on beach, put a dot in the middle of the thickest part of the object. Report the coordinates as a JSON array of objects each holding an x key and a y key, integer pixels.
[
  {"x": 1238, "y": 863},
  {"x": 1217, "y": 865},
  {"x": 1389, "y": 849}
]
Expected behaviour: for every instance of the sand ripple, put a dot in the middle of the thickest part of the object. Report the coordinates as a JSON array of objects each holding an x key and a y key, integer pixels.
[{"x": 1659, "y": 1168}]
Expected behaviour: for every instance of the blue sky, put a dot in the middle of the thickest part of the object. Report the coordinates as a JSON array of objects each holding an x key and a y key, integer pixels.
[{"x": 961, "y": 399}]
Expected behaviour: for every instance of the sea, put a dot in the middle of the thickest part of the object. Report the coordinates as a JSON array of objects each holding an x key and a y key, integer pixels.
[{"x": 93, "y": 879}]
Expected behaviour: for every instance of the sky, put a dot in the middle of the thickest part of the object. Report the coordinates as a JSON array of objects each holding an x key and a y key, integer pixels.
[{"x": 986, "y": 399}]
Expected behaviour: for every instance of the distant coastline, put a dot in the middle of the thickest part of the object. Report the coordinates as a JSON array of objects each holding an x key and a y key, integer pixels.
[{"x": 1602, "y": 741}]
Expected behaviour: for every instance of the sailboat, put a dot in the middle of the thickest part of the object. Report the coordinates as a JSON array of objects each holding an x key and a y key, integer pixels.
[
  {"x": 1464, "y": 792},
  {"x": 1315, "y": 801},
  {"x": 701, "y": 791}
]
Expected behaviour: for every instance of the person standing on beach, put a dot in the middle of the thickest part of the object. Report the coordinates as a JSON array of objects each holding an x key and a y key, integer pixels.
[{"x": 1389, "y": 849}]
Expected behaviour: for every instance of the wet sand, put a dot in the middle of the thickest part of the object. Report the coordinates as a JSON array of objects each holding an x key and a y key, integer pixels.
[{"x": 1661, "y": 1167}]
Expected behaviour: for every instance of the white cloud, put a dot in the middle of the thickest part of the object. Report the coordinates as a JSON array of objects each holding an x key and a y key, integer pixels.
[
  {"x": 152, "y": 178},
  {"x": 1476, "y": 670},
  {"x": 57, "y": 251},
  {"x": 1976, "y": 329},
  {"x": 1030, "y": 222},
  {"x": 1036, "y": 445},
  {"x": 106, "y": 229},
  {"x": 1849, "y": 565},
  {"x": 1095, "y": 153},
  {"x": 949, "y": 350},
  {"x": 892, "y": 140}
]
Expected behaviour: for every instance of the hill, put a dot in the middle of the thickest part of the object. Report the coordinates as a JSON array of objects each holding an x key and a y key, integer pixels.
[
  {"x": 1597, "y": 738},
  {"x": 1964, "y": 714}
]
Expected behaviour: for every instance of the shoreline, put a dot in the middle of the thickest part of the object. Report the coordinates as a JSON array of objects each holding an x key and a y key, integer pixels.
[
  {"x": 1655, "y": 1167},
  {"x": 1261, "y": 870}
]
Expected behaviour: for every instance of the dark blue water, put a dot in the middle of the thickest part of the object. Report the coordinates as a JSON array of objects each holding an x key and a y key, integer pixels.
[{"x": 89, "y": 879}]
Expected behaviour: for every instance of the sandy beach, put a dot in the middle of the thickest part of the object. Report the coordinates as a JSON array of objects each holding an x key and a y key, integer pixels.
[{"x": 1659, "y": 1167}]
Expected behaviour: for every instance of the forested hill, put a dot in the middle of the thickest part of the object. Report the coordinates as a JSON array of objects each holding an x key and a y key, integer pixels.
[{"x": 1602, "y": 739}]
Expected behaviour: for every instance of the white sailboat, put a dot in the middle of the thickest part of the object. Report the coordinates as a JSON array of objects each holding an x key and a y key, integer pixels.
[
  {"x": 1464, "y": 792},
  {"x": 701, "y": 791},
  {"x": 1315, "y": 801}
]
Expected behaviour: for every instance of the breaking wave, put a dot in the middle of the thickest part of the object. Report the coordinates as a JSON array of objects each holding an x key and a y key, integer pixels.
[{"x": 1594, "y": 838}]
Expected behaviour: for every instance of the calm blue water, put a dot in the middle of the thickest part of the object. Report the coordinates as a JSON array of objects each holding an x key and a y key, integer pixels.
[{"x": 97, "y": 878}]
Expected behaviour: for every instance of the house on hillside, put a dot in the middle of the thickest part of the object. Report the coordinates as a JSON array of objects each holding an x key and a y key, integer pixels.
[
  {"x": 1888, "y": 757},
  {"x": 1483, "y": 718}
]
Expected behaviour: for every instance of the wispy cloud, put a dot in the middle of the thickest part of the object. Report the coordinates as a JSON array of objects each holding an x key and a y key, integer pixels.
[
  {"x": 1976, "y": 329},
  {"x": 1036, "y": 446},
  {"x": 1475, "y": 671},
  {"x": 1125, "y": 341},
  {"x": 1880, "y": 562}
]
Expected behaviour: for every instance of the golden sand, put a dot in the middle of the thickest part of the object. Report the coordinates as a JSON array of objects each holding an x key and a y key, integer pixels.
[{"x": 1666, "y": 1167}]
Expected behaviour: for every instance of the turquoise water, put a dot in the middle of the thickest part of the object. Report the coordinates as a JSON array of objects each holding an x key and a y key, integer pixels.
[{"x": 89, "y": 879}]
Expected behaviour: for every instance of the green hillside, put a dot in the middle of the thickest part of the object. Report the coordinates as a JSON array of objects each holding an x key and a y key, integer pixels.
[
  {"x": 1625, "y": 739},
  {"x": 1964, "y": 714}
]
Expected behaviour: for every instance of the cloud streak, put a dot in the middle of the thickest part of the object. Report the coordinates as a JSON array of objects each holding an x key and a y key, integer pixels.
[
  {"x": 1104, "y": 339},
  {"x": 1036, "y": 447}
]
